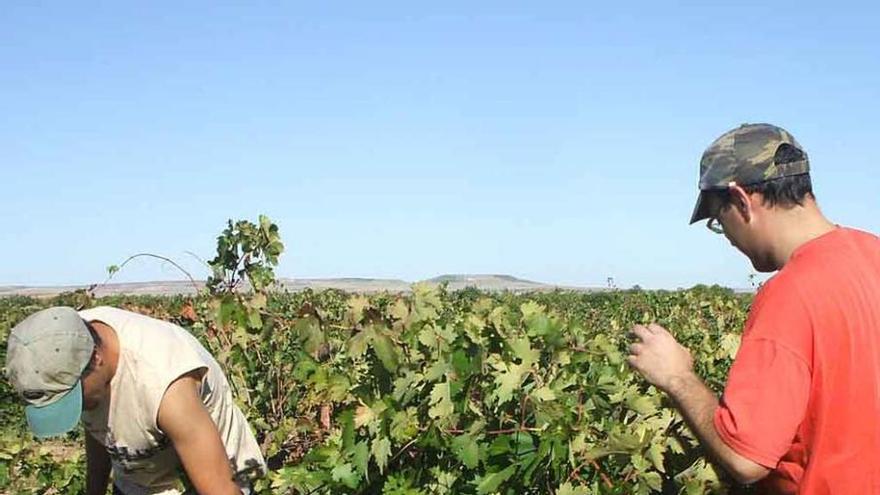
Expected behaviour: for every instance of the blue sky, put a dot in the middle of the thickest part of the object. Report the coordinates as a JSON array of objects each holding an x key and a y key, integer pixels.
[{"x": 552, "y": 141}]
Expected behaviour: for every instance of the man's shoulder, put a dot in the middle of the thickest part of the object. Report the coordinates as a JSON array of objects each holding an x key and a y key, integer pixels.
[
  {"x": 99, "y": 312},
  {"x": 815, "y": 269},
  {"x": 842, "y": 245}
]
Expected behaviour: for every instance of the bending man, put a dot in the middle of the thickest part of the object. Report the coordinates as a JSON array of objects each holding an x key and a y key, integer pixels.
[{"x": 151, "y": 399}]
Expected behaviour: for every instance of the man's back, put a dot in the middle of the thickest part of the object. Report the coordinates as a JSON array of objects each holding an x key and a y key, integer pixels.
[{"x": 153, "y": 354}]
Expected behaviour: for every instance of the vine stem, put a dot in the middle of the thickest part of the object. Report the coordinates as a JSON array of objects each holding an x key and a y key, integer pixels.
[
  {"x": 597, "y": 467},
  {"x": 602, "y": 474},
  {"x": 403, "y": 449},
  {"x": 146, "y": 255}
]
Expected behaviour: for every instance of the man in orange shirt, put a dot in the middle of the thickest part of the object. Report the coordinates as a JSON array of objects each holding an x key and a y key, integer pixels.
[{"x": 801, "y": 409}]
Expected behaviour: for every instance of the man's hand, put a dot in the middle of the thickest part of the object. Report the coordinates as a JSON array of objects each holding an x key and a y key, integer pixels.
[{"x": 658, "y": 357}]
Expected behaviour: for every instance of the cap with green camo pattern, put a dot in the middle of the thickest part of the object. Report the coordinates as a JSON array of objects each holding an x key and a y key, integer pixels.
[{"x": 747, "y": 155}]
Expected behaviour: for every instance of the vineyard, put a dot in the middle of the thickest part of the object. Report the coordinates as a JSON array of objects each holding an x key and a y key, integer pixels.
[{"x": 430, "y": 392}]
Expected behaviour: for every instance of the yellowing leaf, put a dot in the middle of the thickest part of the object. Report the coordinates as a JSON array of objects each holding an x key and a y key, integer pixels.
[
  {"x": 356, "y": 307},
  {"x": 655, "y": 454},
  {"x": 569, "y": 489},
  {"x": 531, "y": 309},
  {"x": 441, "y": 402},
  {"x": 544, "y": 394},
  {"x": 381, "y": 450},
  {"x": 508, "y": 381},
  {"x": 728, "y": 346},
  {"x": 405, "y": 425},
  {"x": 399, "y": 310},
  {"x": 641, "y": 404},
  {"x": 363, "y": 415},
  {"x": 523, "y": 350},
  {"x": 653, "y": 480}
]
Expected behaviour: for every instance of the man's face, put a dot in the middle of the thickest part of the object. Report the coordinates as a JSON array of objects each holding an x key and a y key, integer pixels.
[
  {"x": 95, "y": 385},
  {"x": 744, "y": 234}
]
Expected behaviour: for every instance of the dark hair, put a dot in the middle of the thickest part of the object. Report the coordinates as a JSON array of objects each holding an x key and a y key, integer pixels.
[{"x": 785, "y": 192}]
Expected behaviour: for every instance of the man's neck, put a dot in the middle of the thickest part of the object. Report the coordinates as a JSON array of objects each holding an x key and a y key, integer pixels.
[
  {"x": 110, "y": 346},
  {"x": 796, "y": 227}
]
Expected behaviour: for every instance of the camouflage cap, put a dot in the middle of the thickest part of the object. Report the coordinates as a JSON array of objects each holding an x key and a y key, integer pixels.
[{"x": 747, "y": 155}]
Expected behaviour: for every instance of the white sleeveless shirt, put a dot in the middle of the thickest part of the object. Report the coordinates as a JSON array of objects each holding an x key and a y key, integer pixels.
[{"x": 152, "y": 354}]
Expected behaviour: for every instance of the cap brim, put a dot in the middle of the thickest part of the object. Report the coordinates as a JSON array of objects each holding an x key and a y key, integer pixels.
[
  {"x": 701, "y": 210},
  {"x": 58, "y": 417}
]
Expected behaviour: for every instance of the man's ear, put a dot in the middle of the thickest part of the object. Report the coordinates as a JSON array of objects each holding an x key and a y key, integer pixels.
[
  {"x": 740, "y": 200},
  {"x": 97, "y": 358}
]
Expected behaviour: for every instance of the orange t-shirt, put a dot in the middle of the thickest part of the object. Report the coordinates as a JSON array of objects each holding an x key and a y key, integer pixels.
[{"x": 803, "y": 395}]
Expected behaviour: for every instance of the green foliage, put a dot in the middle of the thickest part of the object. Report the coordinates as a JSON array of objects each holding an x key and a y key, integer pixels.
[
  {"x": 430, "y": 392},
  {"x": 437, "y": 392},
  {"x": 245, "y": 252}
]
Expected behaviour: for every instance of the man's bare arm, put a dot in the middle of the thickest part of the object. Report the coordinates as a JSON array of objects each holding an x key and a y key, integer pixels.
[
  {"x": 668, "y": 365},
  {"x": 697, "y": 403},
  {"x": 183, "y": 417},
  {"x": 97, "y": 467}
]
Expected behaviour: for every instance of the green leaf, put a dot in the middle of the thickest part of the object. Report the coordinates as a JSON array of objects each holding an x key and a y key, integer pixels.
[
  {"x": 490, "y": 482},
  {"x": 343, "y": 473},
  {"x": 357, "y": 345},
  {"x": 466, "y": 449},
  {"x": 426, "y": 301},
  {"x": 386, "y": 352},
  {"x": 361, "y": 457},
  {"x": 500, "y": 446},
  {"x": 255, "y": 321}
]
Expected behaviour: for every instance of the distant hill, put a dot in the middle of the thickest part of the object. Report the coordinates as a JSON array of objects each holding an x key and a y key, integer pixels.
[
  {"x": 454, "y": 278},
  {"x": 488, "y": 282}
]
